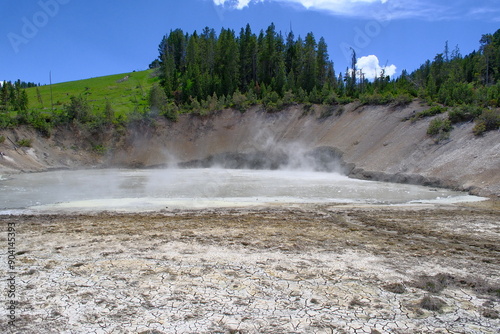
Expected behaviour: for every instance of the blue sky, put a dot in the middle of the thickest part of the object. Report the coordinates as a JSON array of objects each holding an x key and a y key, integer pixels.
[{"x": 76, "y": 39}]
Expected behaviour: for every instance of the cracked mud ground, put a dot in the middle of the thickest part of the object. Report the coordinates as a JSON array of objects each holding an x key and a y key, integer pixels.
[{"x": 305, "y": 269}]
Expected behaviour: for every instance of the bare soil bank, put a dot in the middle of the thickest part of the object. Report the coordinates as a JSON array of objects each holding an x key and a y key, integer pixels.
[
  {"x": 307, "y": 269},
  {"x": 371, "y": 142}
]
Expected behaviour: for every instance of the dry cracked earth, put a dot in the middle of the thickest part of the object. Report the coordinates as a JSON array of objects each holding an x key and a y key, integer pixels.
[{"x": 302, "y": 269}]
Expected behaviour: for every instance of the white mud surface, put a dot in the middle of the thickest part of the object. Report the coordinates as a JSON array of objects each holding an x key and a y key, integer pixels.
[{"x": 308, "y": 269}]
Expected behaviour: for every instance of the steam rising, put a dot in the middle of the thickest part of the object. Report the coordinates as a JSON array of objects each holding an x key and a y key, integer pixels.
[
  {"x": 268, "y": 152},
  {"x": 267, "y": 170}
]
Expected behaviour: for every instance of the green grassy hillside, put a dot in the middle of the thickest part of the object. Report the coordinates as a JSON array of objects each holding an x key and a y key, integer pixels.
[{"x": 126, "y": 92}]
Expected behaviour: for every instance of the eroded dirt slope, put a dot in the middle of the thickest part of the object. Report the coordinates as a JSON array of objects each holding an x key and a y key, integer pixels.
[{"x": 375, "y": 140}]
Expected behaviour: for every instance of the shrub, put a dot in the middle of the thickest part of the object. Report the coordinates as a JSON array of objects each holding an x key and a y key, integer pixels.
[
  {"x": 41, "y": 121},
  {"x": 170, "y": 111},
  {"x": 434, "y": 284},
  {"x": 272, "y": 102},
  {"x": 440, "y": 127},
  {"x": 479, "y": 129},
  {"x": 331, "y": 98},
  {"x": 24, "y": 142},
  {"x": 376, "y": 99},
  {"x": 99, "y": 149},
  {"x": 240, "y": 101},
  {"x": 345, "y": 100},
  {"x": 490, "y": 313},
  {"x": 403, "y": 100},
  {"x": 464, "y": 113},
  {"x": 288, "y": 98},
  {"x": 432, "y": 303},
  {"x": 433, "y": 111},
  {"x": 397, "y": 288},
  {"x": 2, "y": 139},
  {"x": 488, "y": 121},
  {"x": 78, "y": 109},
  {"x": 6, "y": 120}
]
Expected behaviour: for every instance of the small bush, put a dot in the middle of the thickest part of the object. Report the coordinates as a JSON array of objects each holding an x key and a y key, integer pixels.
[
  {"x": 288, "y": 98},
  {"x": 397, "y": 288},
  {"x": 99, "y": 149},
  {"x": 2, "y": 139},
  {"x": 488, "y": 121},
  {"x": 439, "y": 127},
  {"x": 240, "y": 101},
  {"x": 376, "y": 99},
  {"x": 433, "y": 111},
  {"x": 24, "y": 142},
  {"x": 403, "y": 100},
  {"x": 331, "y": 98},
  {"x": 78, "y": 109},
  {"x": 434, "y": 284},
  {"x": 272, "y": 102},
  {"x": 479, "y": 129},
  {"x": 170, "y": 111},
  {"x": 274, "y": 107},
  {"x": 357, "y": 302},
  {"x": 464, "y": 113},
  {"x": 6, "y": 120},
  {"x": 432, "y": 303},
  {"x": 345, "y": 100},
  {"x": 490, "y": 313}
]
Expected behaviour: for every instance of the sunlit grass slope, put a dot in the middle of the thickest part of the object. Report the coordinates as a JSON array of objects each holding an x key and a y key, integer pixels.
[{"x": 126, "y": 92}]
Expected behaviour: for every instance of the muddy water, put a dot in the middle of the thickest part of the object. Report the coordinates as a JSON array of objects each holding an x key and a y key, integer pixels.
[{"x": 154, "y": 189}]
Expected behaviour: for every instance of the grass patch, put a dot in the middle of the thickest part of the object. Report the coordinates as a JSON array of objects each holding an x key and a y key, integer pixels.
[{"x": 126, "y": 91}]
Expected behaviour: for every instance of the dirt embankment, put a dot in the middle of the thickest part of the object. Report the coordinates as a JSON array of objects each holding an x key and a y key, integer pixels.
[{"x": 372, "y": 142}]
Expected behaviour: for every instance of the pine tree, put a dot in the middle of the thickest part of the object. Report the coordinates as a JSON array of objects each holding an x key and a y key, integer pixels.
[
  {"x": 248, "y": 57},
  {"x": 323, "y": 63},
  {"x": 227, "y": 62},
  {"x": 309, "y": 73}
]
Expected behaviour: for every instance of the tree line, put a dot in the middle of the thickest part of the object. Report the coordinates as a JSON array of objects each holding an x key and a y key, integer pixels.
[
  {"x": 452, "y": 79},
  {"x": 197, "y": 66},
  {"x": 203, "y": 72},
  {"x": 13, "y": 96},
  {"x": 207, "y": 72}
]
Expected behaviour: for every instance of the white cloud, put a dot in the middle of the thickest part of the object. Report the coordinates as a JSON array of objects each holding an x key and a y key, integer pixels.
[
  {"x": 238, "y": 4},
  {"x": 371, "y": 68},
  {"x": 341, "y": 7},
  {"x": 384, "y": 10}
]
